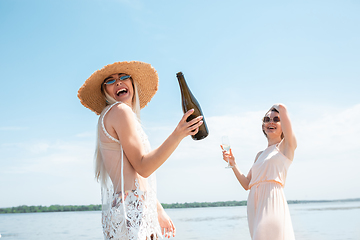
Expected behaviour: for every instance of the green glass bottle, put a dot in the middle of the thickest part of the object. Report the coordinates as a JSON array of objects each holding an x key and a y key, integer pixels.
[{"x": 188, "y": 102}]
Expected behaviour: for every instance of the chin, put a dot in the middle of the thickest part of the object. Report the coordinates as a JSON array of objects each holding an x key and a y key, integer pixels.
[{"x": 273, "y": 135}]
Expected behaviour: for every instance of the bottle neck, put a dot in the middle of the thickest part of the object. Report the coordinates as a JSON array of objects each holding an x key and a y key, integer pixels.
[{"x": 183, "y": 85}]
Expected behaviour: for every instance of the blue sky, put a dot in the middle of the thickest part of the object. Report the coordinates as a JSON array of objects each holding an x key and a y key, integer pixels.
[{"x": 239, "y": 58}]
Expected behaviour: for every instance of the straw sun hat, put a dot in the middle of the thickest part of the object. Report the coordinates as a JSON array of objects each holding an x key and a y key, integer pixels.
[{"x": 143, "y": 74}]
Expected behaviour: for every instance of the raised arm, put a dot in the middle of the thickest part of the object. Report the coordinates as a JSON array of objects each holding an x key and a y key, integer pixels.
[
  {"x": 289, "y": 144},
  {"x": 122, "y": 121}
]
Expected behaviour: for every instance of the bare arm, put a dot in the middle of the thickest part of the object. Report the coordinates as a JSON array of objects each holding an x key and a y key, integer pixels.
[
  {"x": 121, "y": 120},
  {"x": 289, "y": 144},
  {"x": 243, "y": 180}
]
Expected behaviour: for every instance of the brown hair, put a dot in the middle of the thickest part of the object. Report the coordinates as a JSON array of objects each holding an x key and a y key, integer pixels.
[{"x": 271, "y": 110}]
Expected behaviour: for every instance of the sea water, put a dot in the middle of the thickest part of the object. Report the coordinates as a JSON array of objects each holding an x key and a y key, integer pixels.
[{"x": 320, "y": 221}]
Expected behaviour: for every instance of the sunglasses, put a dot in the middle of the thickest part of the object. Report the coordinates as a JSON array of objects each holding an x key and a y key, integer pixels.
[
  {"x": 268, "y": 119},
  {"x": 110, "y": 81}
]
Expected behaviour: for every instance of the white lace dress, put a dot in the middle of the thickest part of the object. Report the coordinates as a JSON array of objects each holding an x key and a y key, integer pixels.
[{"x": 127, "y": 214}]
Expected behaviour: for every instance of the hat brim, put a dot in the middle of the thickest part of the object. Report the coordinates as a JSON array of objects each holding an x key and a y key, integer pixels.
[{"x": 143, "y": 74}]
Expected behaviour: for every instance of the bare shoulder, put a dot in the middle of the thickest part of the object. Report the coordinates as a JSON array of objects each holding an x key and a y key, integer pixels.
[
  {"x": 120, "y": 113},
  {"x": 122, "y": 107},
  {"x": 120, "y": 110}
]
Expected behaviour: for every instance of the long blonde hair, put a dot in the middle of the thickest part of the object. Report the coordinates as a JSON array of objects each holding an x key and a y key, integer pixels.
[{"x": 100, "y": 171}]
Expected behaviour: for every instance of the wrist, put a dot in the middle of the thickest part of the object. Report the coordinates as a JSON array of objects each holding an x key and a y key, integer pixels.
[
  {"x": 234, "y": 164},
  {"x": 160, "y": 212},
  {"x": 160, "y": 208},
  {"x": 177, "y": 136},
  {"x": 275, "y": 106}
]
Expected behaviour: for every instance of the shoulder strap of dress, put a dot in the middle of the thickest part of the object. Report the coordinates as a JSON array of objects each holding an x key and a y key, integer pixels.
[
  {"x": 122, "y": 156},
  {"x": 123, "y": 184},
  {"x": 278, "y": 144},
  {"x": 103, "y": 126}
]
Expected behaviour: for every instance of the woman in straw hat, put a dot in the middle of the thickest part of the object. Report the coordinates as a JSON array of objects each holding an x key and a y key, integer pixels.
[
  {"x": 267, "y": 209},
  {"x": 124, "y": 162}
]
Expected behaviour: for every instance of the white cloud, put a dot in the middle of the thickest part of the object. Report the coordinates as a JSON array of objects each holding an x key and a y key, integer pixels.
[
  {"x": 37, "y": 148},
  {"x": 325, "y": 164},
  {"x": 59, "y": 173},
  {"x": 328, "y": 143},
  {"x": 333, "y": 132},
  {"x": 50, "y": 157}
]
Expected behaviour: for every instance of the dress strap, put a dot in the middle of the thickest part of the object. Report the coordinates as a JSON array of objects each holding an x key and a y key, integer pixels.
[
  {"x": 103, "y": 126},
  {"x": 122, "y": 182},
  {"x": 122, "y": 155}
]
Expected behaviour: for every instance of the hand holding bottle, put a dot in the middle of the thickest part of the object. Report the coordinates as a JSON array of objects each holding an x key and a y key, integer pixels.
[{"x": 185, "y": 128}]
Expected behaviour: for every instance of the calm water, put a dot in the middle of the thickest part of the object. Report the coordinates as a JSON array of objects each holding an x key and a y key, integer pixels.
[{"x": 319, "y": 221}]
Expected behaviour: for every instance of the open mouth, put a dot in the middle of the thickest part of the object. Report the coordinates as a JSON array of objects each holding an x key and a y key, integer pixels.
[
  {"x": 121, "y": 91},
  {"x": 271, "y": 128}
]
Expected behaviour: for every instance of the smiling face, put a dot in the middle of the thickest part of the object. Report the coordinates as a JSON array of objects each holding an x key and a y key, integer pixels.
[
  {"x": 272, "y": 129},
  {"x": 120, "y": 90}
]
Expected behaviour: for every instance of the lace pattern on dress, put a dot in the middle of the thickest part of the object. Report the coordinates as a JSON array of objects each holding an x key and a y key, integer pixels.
[
  {"x": 135, "y": 217},
  {"x": 138, "y": 222}
]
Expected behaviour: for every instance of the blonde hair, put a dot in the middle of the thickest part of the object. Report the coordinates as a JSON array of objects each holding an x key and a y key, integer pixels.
[{"x": 100, "y": 171}]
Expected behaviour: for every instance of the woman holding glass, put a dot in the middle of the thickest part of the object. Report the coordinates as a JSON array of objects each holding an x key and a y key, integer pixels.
[
  {"x": 124, "y": 161},
  {"x": 267, "y": 208}
]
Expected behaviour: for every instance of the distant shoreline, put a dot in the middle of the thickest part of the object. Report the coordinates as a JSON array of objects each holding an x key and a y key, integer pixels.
[{"x": 97, "y": 207}]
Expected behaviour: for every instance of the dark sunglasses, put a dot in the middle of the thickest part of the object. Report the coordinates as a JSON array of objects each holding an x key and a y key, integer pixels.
[
  {"x": 267, "y": 119},
  {"x": 110, "y": 81}
]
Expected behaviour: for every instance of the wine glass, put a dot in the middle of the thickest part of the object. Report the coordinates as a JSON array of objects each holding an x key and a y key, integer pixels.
[{"x": 225, "y": 143}]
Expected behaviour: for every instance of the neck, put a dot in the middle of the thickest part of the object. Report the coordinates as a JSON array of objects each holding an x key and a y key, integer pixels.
[
  {"x": 129, "y": 104},
  {"x": 272, "y": 141}
]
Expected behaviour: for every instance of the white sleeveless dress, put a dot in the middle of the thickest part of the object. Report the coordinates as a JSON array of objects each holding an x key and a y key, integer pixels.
[
  {"x": 267, "y": 208},
  {"x": 127, "y": 214}
]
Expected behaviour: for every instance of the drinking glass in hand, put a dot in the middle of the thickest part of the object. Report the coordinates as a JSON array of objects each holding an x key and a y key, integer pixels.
[{"x": 225, "y": 143}]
